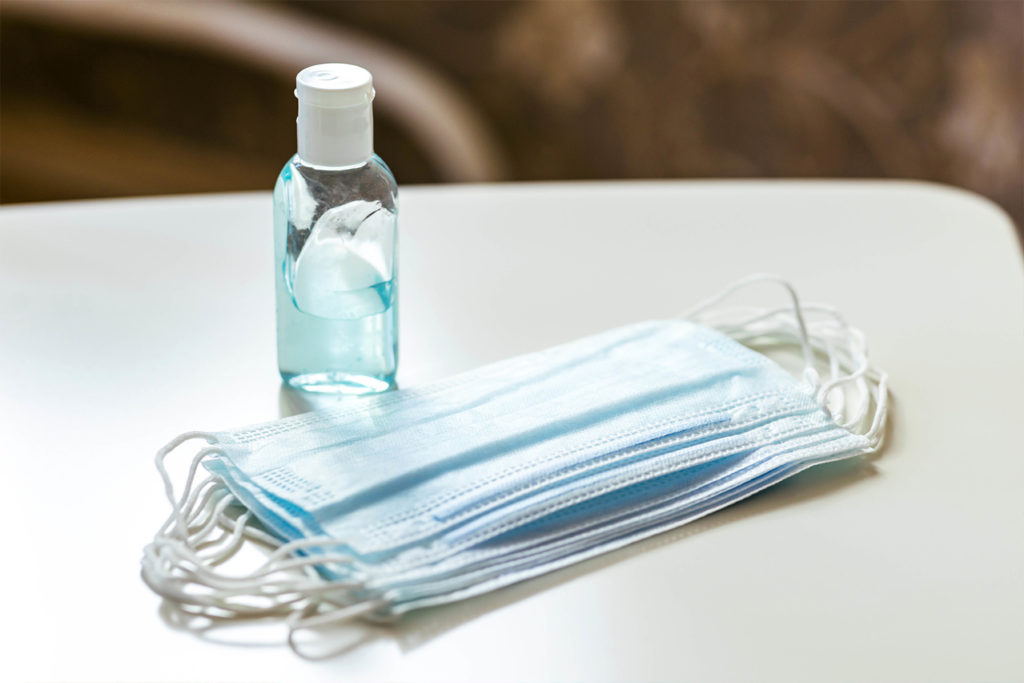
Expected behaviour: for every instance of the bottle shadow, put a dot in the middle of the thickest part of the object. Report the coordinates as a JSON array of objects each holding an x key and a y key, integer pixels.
[{"x": 419, "y": 627}]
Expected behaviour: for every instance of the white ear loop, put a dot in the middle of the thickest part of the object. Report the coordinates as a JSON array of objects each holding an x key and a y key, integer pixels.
[
  {"x": 810, "y": 374},
  {"x": 310, "y": 618},
  {"x": 842, "y": 346},
  {"x": 181, "y": 564}
]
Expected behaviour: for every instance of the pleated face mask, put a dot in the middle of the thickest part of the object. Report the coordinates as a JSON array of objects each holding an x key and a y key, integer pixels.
[{"x": 428, "y": 495}]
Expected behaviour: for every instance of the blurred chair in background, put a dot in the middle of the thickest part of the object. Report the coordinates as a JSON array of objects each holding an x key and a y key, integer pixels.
[
  {"x": 47, "y": 151},
  {"x": 196, "y": 96}
]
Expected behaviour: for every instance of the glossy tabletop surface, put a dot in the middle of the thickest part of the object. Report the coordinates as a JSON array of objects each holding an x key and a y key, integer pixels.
[{"x": 126, "y": 322}]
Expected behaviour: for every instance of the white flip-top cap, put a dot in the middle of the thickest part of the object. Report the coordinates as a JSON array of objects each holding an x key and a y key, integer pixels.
[{"x": 335, "y": 124}]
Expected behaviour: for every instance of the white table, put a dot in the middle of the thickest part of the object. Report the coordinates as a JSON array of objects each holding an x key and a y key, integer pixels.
[{"x": 123, "y": 323}]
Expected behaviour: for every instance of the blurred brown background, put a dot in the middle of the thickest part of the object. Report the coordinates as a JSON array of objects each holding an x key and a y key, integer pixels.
[{"x": 121, "y": 98}]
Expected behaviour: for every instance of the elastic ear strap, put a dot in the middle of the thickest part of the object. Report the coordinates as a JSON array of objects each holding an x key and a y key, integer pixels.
[
  {"x": 182, "y": 562},
  {"x": 758, "y": 278},
  {"x": 841, "y": 350},
  {"x": 843, "y": 347},
  {"x": 161, "y": 455},
  {"x": 309, "y": 618}
]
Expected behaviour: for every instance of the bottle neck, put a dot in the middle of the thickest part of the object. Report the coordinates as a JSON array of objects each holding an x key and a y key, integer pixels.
[{"x": 331, "y": 136}]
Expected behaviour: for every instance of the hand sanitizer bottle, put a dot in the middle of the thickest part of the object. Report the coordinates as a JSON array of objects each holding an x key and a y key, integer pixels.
[{"x": 335, "y": 239}]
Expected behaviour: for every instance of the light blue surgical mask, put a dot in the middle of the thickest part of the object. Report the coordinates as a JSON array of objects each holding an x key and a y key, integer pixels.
[
  {"x": 582, "y": 412},
  {"x": 429, "y": 495}
]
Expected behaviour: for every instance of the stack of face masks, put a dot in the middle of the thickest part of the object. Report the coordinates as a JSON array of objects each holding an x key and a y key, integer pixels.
[{"x": 428, "y": 495}]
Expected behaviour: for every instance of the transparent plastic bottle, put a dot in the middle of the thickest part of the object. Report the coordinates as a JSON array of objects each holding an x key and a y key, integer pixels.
[{"x": 335, "y": 240}]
